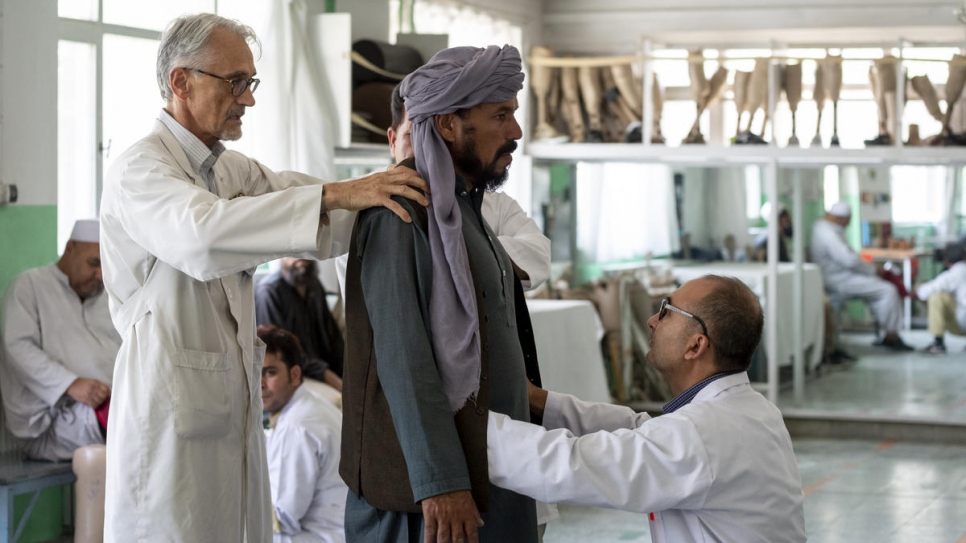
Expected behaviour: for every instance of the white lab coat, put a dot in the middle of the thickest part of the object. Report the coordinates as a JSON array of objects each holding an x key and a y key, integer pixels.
[
  {"x": 519, "y": 234},
  {"x": 718, "y": 469},
  {"x": 524, "y": 242},
  {"x": 845, "y": 273},
  {"x": 51, "y": 338},
  {"x": 185, "y": 447},
  {"x": 952, "y": 281},
  {"x": 303, "y": 466}
]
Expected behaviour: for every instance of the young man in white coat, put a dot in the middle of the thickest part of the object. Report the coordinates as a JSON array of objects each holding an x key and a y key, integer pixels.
[
  {"x": 945, "y": 297},
  {"x": 718, "y": 464},
  {"x": 58, "y": 351},
  {"x": 184, "y": 222},
  {"x": 303, "y": 441}
]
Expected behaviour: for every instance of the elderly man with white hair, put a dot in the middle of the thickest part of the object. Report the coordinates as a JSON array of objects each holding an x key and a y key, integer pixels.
[
  {"x": 58, "y": 348},
  {"x": 847, "y": 275},
  {"x": 184, "y": 224}
]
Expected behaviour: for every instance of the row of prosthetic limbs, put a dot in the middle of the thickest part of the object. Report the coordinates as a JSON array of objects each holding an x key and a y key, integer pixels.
[
  {"x": 884, "y": 81},
  {"x": 594, "y": 103}
]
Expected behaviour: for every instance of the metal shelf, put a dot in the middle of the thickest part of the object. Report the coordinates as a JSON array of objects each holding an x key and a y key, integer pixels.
[{"x": 715, "y": 156}]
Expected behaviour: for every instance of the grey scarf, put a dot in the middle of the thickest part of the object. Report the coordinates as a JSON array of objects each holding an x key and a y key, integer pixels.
[{"x": 454, "y": 79}]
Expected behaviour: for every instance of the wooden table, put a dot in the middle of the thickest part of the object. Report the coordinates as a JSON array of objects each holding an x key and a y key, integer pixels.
[{"x": 875, "y": 254}]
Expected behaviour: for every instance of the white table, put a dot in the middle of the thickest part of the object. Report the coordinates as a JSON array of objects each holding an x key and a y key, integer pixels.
[
  {"x": 567, "y": 334},
  {"x": 755, "y": 275}
]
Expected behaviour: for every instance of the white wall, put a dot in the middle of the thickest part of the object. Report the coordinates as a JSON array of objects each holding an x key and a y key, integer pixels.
[
  {"x": 616, "y": 26},
  {"x": 28, "y": 99}
]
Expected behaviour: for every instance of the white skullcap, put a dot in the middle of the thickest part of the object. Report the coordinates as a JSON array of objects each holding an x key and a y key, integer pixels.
[
  {"x": 86, "y": 231},
  {"x": 840, "y": 209},
  {"x": 766, "y": 211}
]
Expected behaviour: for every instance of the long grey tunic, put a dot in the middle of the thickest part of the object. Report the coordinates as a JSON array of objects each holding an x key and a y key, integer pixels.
[
  {"x": 427, "y": 420},
  {"x": 50, "y": 338}
]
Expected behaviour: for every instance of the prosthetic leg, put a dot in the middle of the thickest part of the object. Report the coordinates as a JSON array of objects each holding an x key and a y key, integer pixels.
[
  {"x": 570, "y": 107},
  {"x": 90, "y": 466},
  {"x": 833, "y": 84},
  {"x": 757, "y": 99},
  {"x": 793, "y": 93},
  {"x": 699, "y": 84},
  {"x": 820, "y": 95},
  {"x": 954, "y": 88},
  {"x": 541, "y": 82},
  {"x": 592, "y": 98}
]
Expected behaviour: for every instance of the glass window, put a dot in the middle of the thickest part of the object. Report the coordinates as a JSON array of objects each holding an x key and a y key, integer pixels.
[
  {"x": 131, "y": 96},
  {"x": 830, "y": 179},
  {"x": 753, "y": 196},
  {"x": 76, "y": 136},
  {"x": 85, "y": 10},
  {"x": 918, "y": 193},
  {"x": 151, "y": 15},
  {"x": 626, "y": 211}
]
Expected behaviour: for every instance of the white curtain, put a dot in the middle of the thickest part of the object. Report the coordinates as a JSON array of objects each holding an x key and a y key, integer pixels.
[
  {"x": 624, "y": 211},
  {"x": 292, "y": 126},
  {"x": 715, "y": 205}
]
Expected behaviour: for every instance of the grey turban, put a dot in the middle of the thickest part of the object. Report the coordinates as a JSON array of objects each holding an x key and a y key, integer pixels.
[{"x": 454, "y": 79}]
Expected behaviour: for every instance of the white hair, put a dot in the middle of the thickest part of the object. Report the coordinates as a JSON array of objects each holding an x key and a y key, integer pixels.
[{"x": 185, "y": 43}]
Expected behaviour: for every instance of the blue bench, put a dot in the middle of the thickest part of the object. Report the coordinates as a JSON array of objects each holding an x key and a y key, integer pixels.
[{"x": 18, "y": 477}]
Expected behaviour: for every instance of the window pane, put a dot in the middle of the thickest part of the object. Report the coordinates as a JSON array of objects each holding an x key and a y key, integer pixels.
[
  {"x": 131, "y": 97},
  {"x": 76, "y": 145},
  {"x": 78, "y": 9},
  {"x": 255, "y": 13},
  {"x": 151, "y": 15},
  {"x": 917, "y": 193}
]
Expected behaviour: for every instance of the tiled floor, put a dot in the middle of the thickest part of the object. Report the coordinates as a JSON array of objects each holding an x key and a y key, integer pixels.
[
  {"x": 855, "y": 492},
  {"x": 883, "y": 383}
]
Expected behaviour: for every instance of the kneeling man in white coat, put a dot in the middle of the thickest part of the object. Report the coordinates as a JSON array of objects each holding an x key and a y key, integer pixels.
[{"x": 718, "y": 464}]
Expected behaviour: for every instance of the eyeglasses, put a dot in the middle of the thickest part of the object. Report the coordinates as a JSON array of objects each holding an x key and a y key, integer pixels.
[
  {"x": 666, "y": 304},
  {"x": 238, "y": 86}
]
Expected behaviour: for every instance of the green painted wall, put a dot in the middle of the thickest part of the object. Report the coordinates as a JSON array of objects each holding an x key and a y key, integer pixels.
[
  {"x": 46, "y": 521},
  {"x": 28, "y": 238}
]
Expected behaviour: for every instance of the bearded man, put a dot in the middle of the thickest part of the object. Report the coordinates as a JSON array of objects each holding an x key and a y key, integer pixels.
[{"x": 437, "y": 329}]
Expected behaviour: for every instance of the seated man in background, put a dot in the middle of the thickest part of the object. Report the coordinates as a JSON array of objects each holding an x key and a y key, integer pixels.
[
  {"x": 784, "y": 232},
  {"x": 846, "y": 274},
  {"x": 946, "y": 298},
  {"x": 833, "y": 353},
  {"x": 59, "y": 348},
  {"x": 718, "y": 465},
  {"x": 292, "y": 298},
  {"x": 303, "y": 442}
]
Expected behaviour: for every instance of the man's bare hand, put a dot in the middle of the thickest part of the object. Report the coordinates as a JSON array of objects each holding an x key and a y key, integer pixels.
[
  {"x": 537, "y": 397},
  {"x": 89, "y": 391},
  {"x": 333, "y": 380},
  {"x": 451, "y": 518},
  {"x": 376, "y": 190}
]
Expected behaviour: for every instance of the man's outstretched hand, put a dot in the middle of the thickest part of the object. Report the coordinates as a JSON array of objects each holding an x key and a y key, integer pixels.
[
  {"x": 377, "y": 189},
  {"x": 451, "y": 518}
]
